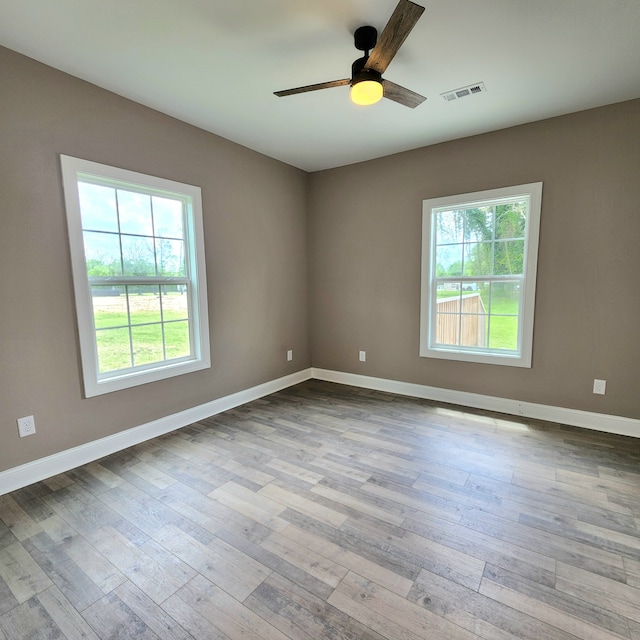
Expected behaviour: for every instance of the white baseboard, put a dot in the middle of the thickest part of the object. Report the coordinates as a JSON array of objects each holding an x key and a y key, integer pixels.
[
  {"x": 31, "y": 472},
  {"x": 574, "y": 417}
]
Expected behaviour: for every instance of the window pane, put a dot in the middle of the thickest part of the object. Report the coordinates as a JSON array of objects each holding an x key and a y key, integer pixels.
[
  {"x": 114, "y": 350},
  {"x": 135, "y": 213},
  {"x": 448, "y": 328},
  {"x": 139, "y": 256},
  {"x": 474, "y": 330},
  {"x": 449, "y": 227},
  {"x": 449, "y": 291},
  {"x": 109, "y": 307},
  {"x": 175, "y": 303},
  {"x": 144, "y": 303},
  {"x": 102, "y": 254},
  {"x": 170, "y": 257},
  {"x": 508, "y": 258},
  {"x": 449, "y": 260},
  {"x": 503, "y": 332},
  {"x": 477, "y": 259},
  {"x": 177, "y": 343},
  {"x": 511, "y": 220},
  {"x": 505, "y": 298},
  {"x": 505, "y": 307},
  {"x": 478, "y": 224},
  {"x": 147, "y": 344},
  {"x": 472, "y": 303},
  {"x": 473, "y": 322},
  {"x": 98, "y": 207},
  {"x": 480, "y": 287},
  {"x": 167, "y": 217}
]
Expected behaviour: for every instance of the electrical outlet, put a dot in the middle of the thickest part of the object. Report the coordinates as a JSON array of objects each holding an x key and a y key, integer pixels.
[
  {"x": 600, "y": 387},
  {"x": 26, "y": 426},
  {"x": 289, "y": 355},
  {"x": 362, "y": 356}
]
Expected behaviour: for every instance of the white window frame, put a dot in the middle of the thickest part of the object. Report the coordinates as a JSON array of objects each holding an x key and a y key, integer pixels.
[
  {"x": 428, "y": 347},
  {"x": 96, "y": 383}
]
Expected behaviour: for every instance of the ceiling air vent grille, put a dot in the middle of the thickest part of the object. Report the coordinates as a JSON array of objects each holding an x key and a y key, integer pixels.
[{"x": 462, "y": 92}]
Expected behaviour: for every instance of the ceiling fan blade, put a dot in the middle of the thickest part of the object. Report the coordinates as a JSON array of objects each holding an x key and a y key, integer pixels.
[
  {"x": 313, "y": 87},
  {"x": 401, "y": 22},
  {"x": 402, "y": 95}
]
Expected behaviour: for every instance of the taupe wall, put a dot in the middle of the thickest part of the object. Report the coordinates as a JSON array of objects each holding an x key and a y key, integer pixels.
[
  {"x": 333, "y": 257},
  {"x": 365, "y": 225},
  {"x": 255, "y": 235}
]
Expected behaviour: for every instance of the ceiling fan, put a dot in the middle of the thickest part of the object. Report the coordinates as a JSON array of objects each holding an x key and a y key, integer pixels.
[{"x": 367, "y": 84}]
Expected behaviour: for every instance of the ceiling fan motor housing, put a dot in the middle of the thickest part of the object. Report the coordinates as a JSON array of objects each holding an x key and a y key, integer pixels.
[
  {"x": 365, "y": 38},
  {"x": 359, "y": 73}
]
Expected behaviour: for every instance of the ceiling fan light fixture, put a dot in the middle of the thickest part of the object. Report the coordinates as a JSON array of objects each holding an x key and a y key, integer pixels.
[
  {"x": 366, "y": 92},
  {"x": 367, "y": 85}
]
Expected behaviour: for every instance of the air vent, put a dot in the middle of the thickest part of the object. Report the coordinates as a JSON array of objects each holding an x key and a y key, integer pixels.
[{"x": 462, "y": 92}]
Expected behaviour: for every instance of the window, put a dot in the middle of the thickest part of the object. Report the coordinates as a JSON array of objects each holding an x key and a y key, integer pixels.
[
  {"x": 137, "y": 255},
  {"x": 479, "y": 258}
]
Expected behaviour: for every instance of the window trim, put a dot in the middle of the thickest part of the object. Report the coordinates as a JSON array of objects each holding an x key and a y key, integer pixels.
[
  {"x": 525, "y": 327},
  {"x": 95, "y": 383}
]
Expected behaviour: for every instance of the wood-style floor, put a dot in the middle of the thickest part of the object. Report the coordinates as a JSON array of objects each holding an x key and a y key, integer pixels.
[{"x": 325, "y": 511}]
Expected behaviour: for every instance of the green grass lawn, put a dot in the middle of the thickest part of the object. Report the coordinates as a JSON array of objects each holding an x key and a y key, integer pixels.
[
  {"x": 503, "y": 332},
  {"x": 503, "y": 329},
  {"x": 114, "y": 346},
  {"x": 104, "y": 319}
]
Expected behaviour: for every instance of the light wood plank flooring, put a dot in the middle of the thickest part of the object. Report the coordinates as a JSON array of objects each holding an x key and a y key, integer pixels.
[{"x": 325, "y": 511}]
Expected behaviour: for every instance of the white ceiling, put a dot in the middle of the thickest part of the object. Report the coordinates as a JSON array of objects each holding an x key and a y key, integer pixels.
[{"x": 216, "y": 64}]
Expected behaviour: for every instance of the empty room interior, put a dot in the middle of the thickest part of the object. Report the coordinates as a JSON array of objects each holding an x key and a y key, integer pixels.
[{"x": 297, "y": 346}]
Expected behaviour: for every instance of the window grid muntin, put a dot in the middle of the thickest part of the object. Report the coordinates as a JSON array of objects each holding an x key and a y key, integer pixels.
[
  {"x": 160, "y": 281},
  {"x": 464, "y": 207},
  {"x": 130, "y": 324},
  {"x": 436, "y": 280},
  {"x": 459, "y": 347},
  {"x": 154, "y": 238}
]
